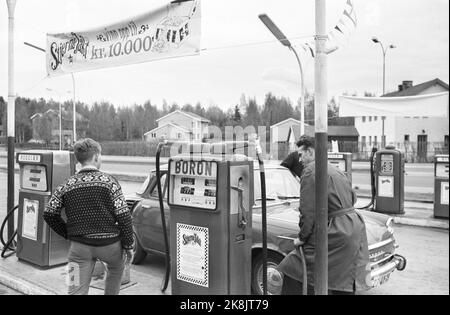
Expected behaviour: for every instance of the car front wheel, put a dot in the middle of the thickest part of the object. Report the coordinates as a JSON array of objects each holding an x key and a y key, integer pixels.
[{"x": 273, "y": 259}]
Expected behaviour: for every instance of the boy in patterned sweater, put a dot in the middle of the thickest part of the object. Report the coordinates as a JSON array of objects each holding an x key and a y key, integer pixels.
[{"x": 98, "y": 222}]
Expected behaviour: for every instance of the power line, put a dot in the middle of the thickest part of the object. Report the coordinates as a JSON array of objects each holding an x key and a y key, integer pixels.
[
  {"x": 33, "y": 86},
  {"x": 251, "y": 44}
]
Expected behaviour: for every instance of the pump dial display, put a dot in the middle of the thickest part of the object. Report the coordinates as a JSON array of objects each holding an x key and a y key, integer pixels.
[
  {"x": 387, "y": 163},
  {"x": 193, "y": 184},
  {"x": 34, "y": 177}
]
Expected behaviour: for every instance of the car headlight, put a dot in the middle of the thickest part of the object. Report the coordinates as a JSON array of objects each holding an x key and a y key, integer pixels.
[{"x": 390, "y": 225}]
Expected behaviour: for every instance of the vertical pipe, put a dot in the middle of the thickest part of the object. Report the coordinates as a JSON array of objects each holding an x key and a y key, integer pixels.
[
  {"x": 383, "y": 144},
  {"x": 384, "y": 69},
  {"x": 74, "y": 111},
  {"x": 321, "y": 162},
  {"x": 60, "y": 125},
  {"x": 11, "y": 114},
  {"x": 302, "y": 96}
]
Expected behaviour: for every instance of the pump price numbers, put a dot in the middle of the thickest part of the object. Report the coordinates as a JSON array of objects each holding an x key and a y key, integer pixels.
[{"x": 193, "y": 184}]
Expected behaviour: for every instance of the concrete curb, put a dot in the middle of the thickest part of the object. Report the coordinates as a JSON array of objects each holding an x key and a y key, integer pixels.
[
  {"x": 23, "y": 286},
  {"x": 429, "y": 223}
]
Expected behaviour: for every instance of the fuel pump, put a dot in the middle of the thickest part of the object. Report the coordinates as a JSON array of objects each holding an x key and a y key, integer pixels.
[
  {"x": 390, "y": 181},
  {"x": 211, "y": 200},
  {"x": 441, "y": 186},
  {"x": 235, "y": 178},
  {"x": 342, "y": 161},
  {"x": 41, "y": 172}
]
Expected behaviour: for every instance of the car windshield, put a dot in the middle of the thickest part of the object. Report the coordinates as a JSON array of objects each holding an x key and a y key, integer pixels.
[
  {"x": 280, "y": 184},
  {"x": 144, "y": 185}
]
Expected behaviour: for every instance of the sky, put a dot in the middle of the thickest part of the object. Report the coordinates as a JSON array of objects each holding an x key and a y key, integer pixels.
[{"x": 239, "y": 55}]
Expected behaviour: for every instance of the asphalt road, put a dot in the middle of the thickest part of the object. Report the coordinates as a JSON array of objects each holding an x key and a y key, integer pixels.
[{"x": 416, "y": 176}]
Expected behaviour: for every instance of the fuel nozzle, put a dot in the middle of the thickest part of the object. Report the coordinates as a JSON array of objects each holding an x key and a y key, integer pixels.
[{"x": 241, "y": 208}]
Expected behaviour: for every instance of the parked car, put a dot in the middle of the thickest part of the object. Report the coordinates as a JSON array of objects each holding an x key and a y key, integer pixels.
[{"x": 282, "y": 191}]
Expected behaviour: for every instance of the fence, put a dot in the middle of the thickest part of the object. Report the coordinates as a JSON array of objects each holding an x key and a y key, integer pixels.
[
  {"x": 410, "y": 149},
  {"x": 362, "y": 152},
  {"x": 273, "y": 151}
]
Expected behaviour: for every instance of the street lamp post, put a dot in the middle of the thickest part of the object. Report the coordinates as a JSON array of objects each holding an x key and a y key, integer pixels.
[
  {"x": 384, "y": 50},
  {"x": 11, "y": 115},
  {"x": 60, "y": 115},
  {"x": 285, "y": 42}
]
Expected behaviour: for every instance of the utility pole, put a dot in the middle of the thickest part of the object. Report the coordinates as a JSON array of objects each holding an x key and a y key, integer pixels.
[
  {"x": 321, "y": 159},
  {"x": 11, "y": 115}
]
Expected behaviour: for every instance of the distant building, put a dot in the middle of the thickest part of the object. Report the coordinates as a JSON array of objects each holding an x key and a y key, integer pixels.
[
  {"x": 279, "y": 132},
  {"x": 180, "y": 125},
  {"x": 346, "y": 136},
  {"x": 46, "y": 127},
  {"x": 419, "y": 137},
  {"x": 286, "y": 134}
]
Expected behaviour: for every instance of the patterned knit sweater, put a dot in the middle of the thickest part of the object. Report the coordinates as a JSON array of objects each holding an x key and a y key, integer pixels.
[{"x": 96, "y": 210}]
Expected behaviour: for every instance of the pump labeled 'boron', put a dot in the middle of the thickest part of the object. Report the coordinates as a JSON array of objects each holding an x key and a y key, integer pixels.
[
  {"x": 41, "y": 172},
  {"x": 211, "y": 200}
]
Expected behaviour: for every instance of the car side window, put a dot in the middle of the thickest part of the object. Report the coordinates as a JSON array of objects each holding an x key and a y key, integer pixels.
[{"x": 154, "y": 192}]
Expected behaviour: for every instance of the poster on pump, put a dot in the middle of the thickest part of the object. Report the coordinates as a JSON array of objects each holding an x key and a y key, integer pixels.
[{"x": 173, "y": 30}]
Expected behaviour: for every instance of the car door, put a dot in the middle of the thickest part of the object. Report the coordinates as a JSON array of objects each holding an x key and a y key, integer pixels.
[{"x": 151, "y": 229}]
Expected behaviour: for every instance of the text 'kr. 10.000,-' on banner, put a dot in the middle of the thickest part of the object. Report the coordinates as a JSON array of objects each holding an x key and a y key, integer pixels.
[{"x": 170, "y": 31}]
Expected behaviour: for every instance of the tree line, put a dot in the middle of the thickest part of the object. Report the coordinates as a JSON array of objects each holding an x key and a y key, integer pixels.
[{"x": 105, "y": 121}]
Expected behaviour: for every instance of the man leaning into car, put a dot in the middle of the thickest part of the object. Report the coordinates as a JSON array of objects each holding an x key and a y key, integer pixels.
[
  {"x": 348, "y": 254},
  {"x": 293, "y": 162},
  {"x": 98, "y": 222}
]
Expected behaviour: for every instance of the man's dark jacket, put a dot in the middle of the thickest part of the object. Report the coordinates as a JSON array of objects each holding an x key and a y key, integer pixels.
[{"x": 348, "y": 253}]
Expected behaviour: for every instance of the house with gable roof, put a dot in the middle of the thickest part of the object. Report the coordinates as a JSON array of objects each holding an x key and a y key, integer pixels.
[{"x": 180, "y": 125}]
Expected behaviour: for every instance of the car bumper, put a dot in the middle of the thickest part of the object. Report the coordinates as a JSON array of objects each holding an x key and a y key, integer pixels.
[{"x": 381, "y": 275}]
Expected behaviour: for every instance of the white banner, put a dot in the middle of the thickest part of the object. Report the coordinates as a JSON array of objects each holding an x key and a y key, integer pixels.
[
  {"x": 171, "y": 31},
  {"x": 423, "y": 105}
]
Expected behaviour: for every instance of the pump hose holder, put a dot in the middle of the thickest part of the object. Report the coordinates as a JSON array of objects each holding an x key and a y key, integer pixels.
[
  {"x": 10, "y": 244},
  {"x": 241, "y": 208}
]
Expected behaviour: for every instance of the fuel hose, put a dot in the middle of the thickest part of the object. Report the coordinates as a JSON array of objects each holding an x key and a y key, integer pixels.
[
  {"x": 9, "y": 244},
  {"x": 262, "y": 174},
  {"x": 165, "y": 282},
  {"x": 305, "y": 272},
  {"x": 372, "y": 181}
]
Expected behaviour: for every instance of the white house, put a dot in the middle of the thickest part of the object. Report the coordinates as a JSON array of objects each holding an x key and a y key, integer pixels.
[
  {"x": 280, "y": 131},
  {"x": 421, "y": 137},
  {"x": 180, "y": 125}
]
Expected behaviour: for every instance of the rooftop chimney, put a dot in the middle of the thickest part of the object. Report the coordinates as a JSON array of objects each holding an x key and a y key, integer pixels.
[{"x": 407, "y": 84}]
